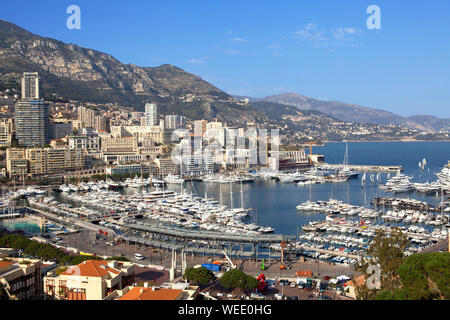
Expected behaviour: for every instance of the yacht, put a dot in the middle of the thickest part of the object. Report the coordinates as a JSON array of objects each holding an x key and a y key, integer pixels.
[
  {"x": 444, "y": 176},
  {"x": 173, "y": 179},
  {"x": 428, "y": 187}
]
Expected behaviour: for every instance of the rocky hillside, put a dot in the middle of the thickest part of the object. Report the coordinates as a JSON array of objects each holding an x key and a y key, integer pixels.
[
  {"x": 353, "y": 113},
  {"x": 84, "y": 74}
]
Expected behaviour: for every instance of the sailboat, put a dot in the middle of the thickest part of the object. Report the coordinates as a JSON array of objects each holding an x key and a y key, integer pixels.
[
  {"x": 422, "y": 164},
  {"x": 231, "y": 196},
  {"x": 346, "y": 171},
  {"x": 379, "y": 177},
  {"x": 372, "y": 178},
  {"x": 242, "y": 197},
  {"x": 363, "y": 180}
]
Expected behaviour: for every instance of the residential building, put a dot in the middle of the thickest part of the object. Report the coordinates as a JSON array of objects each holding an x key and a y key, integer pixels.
[
  {"x": 61, "y": 130},
  {"x": 102, "y": 123},
  {"x": 174, "y": 122},
  {"x": 30, "y": 85},
  {"x": 151, "y": 115},
  {"x": 86, "y": 117},
  {"x": 21, "y": 278},
  {"x": 90, "y": 280},
  {"x": 216, "y": 132},
  {"x": 200, "y": 127},
  {"x": 32, "y": 123},
  {"x": 6, "y": 127},
  {"x": 43, "y": 161},
  {"x": 196, "y": 165},
  {"x": 16, "y": 162},
  {"x": 166, "y": 166}
]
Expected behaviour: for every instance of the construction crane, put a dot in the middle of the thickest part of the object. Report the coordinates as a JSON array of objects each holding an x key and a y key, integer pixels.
[
  {"x": 282, "y": 266},
  {"x": 229, "y": 260},
  {"x": 311, "y": 144}
]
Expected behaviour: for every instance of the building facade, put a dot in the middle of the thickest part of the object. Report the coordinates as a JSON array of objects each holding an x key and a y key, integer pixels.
[
  {"x": 90, "y": 280},
  {"x": 30, "y": 85},
  {"x": 61, "y": 130},
  {"x": 16, "y": 162},
  {"x": 6, "y": 128},
  {"x": 42, "y": 161},
  {"x": 21, "y": 278},
  {"x": 151, "y": 115},
  {"x": 174, "y": 122},
  {"x": 32, "y": 123},
  {"x": 119, "y": 145}
]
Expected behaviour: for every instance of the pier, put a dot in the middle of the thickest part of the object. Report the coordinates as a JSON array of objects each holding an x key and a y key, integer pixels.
[
  {"x": 66, "y": 221},
  {"x": 332, "y": 253},
  {"x": 210, "y": 236},
  {"x": 364, "y": 168}
]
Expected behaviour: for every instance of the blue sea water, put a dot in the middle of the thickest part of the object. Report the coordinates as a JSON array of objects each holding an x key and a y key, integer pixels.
[{"x": 275, "y": 203}]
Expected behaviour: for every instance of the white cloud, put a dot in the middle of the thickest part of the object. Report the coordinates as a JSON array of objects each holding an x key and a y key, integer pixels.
[
  {"x": 345, "y": 33},
  {"x": 309, "y": 33},
  {"x": 311, "y": 26},
  {"x": 196, "y": 61},
  {"x": 326, "y": 38},
  {"x": 237, "y": 39}
]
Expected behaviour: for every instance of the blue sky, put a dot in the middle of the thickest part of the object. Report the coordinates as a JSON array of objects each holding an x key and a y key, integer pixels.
[{"x": 321, "y": 49}]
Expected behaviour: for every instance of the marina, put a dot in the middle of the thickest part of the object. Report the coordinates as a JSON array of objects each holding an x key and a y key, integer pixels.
[{"x": 249, "y": 215}]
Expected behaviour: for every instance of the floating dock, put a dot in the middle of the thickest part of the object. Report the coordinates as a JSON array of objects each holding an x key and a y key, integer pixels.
[{"x": 405, "y": 204}]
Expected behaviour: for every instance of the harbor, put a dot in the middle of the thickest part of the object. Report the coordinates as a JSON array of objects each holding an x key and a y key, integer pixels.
[{"x": 324, "y": 214}]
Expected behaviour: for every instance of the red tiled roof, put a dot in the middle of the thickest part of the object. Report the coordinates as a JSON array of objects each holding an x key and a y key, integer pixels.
[
  {"x": 304, "y": 274},
  {"x": 91, "y": 268},
  {"x": 4, "y": 264},
  {"x": 359, "y": 281},
  {"x": 141, "y": 293}
]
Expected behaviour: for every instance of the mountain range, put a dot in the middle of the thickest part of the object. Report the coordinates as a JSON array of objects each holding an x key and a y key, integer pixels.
[
  {"x": 354, "y": 113},
  {"x": 87, "y": 75}
]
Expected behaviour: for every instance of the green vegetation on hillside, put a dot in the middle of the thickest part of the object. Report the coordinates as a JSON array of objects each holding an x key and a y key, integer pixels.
[{"x": 424, "y": 276}]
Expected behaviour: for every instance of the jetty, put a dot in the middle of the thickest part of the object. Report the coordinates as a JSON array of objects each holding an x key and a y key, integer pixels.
[
  {"x": 325, "y": 251},
  {"x": 363, "y": 168}
]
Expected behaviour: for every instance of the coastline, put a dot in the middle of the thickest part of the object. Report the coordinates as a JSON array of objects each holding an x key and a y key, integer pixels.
[{"x": 384, "y": 141}]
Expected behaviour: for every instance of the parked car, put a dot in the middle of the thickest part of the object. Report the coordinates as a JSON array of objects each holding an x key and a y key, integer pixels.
[
  {"x": 278, "y": 296},
  {"x": 139, "y": 256},
  {"x": 284, "y": 282},
  {"x": 257, "y": 296}
]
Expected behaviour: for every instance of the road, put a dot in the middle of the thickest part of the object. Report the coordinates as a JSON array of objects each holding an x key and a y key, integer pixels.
[{"x": 440, "y": 246}]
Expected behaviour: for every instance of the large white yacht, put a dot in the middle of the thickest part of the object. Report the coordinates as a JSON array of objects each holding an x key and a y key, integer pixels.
[{"x": 444, "y": 176}]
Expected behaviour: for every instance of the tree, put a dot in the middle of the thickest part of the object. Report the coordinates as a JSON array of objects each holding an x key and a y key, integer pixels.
[
  {"x": 426, "y": 276},
  {"x": 199, "y": 276},
  {"x": 386, "y": 252},
  {"x": 237, "y": 279}
]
